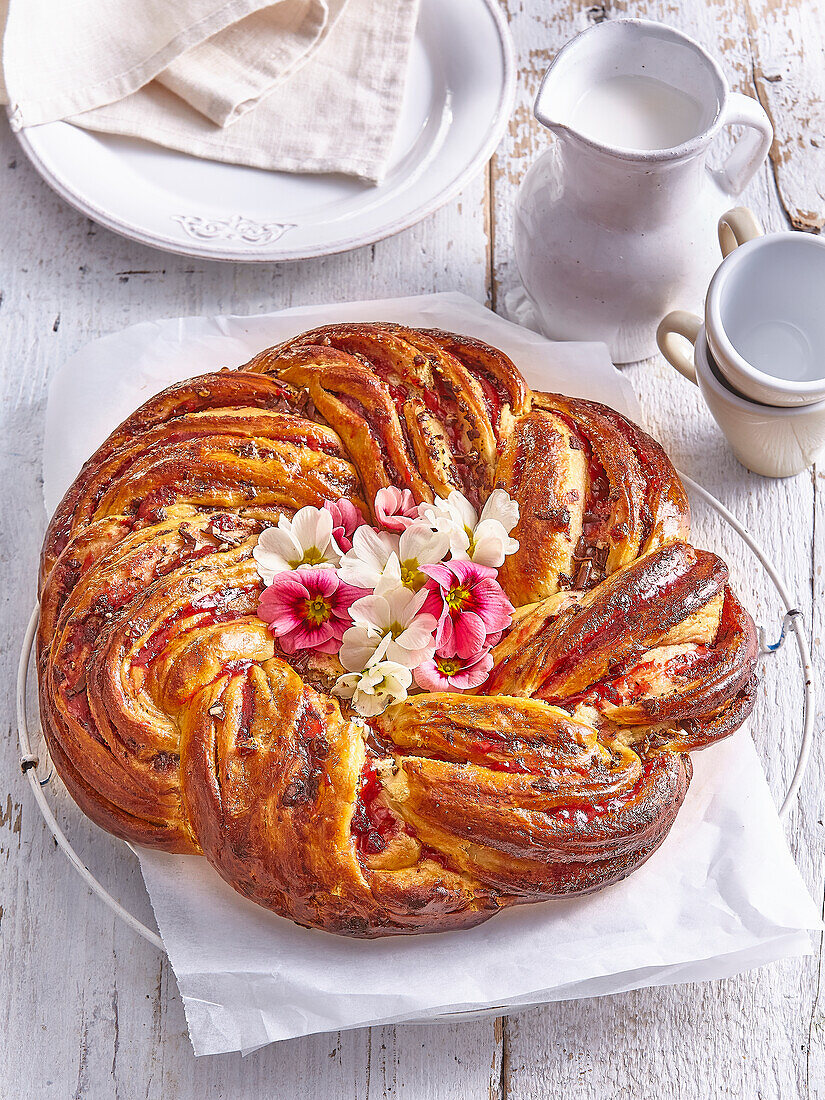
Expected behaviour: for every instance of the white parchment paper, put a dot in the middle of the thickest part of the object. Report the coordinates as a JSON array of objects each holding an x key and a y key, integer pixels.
[{"x": 721, "y": 895}]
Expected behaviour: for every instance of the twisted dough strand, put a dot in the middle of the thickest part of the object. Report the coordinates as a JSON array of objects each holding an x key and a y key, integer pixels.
[{"x": 176, "y": 721}]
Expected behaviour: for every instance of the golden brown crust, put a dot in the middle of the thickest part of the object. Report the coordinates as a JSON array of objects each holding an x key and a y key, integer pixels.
[{"x": 177, "y": 722}]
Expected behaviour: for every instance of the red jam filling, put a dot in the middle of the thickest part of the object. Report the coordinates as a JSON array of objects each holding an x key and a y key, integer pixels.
[
  {"x": 78, "y": 708},
  {"x": 153, "y": 503},
  {"x": 493, "y": 399},
  {"x": 378, "y": 432},
  {"x": 438, "y": 404},
  {"x": 244, "y": 742},
  {"x": 433, "y": 854},
  {"x": 493, "y": 757},
  {"x": 583, "y": 814},
  {"x": 372, "y": 823},
  {"x": 598, "y": 506},
  {"x": 631, "y": 685},
  {"x": 210, "y": 608},
  {"x": 652, "y": 470},
  {"x": 224, "y": 524}
]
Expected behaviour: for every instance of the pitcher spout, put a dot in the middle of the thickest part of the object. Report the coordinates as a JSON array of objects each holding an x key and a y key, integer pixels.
[
  {"x": 634, "y": 89},
  {"x": 550, "y": 107}
]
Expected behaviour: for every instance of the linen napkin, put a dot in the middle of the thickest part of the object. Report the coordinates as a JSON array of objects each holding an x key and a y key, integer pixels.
[
  {"x": 722, "y": 894},
  {"x": 292, "y": 85}
]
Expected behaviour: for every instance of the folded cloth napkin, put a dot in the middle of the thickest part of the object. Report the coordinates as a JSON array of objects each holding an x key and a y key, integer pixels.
[{"x": 294, "y": 85}]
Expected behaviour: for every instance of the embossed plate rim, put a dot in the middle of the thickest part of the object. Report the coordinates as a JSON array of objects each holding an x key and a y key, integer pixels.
[{"x": 379, "y": 219}]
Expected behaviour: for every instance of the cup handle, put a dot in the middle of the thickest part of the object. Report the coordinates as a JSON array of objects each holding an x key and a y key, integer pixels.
[
  {"x": 737, "y": 226},
  {"x": 751, "y": 148},
  {"x": 679, "y": 323}
]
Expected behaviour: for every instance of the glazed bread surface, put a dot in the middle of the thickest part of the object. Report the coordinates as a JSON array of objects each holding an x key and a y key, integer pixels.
[{"x": 177, "y": 722}]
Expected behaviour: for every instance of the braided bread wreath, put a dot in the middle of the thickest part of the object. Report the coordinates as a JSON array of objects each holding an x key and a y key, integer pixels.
[{"x": 176, "y": 722}]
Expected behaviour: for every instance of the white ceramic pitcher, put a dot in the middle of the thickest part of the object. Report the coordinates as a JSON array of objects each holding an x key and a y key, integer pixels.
[{"x": 609, "y": 239}]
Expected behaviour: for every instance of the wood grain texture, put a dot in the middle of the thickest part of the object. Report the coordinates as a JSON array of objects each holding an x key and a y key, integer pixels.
[
  {"x": 88, "y": 1009},
  {"x": 786, "y": 43}
]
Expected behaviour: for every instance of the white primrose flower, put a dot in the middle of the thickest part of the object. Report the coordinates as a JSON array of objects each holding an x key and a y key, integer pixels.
[
  {"x": 372, "y": 690},
  {"x": 365, "y": 563},
  {"x": 304, "y": 540},
  {"x": 389, "y": 625},
  {"x": 419, "y": 545},
  {"x": 485, "y": 539}
]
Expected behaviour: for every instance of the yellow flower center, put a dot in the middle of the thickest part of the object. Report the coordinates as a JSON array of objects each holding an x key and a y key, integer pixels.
[
  {"x": 316, "y": 610},
  {"x": 411, "y": 575},
  {"x": 456, "y": 597},
  {"x": 312, "y": 556},
  {"x": 448, "y": 666}
]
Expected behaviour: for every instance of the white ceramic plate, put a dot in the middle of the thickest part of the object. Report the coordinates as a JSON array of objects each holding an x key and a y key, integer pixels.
[{"x": 458, "y": 100}]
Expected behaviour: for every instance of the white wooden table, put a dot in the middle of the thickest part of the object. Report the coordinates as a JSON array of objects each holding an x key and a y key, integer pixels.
[{"x": 88, "y": 1009}]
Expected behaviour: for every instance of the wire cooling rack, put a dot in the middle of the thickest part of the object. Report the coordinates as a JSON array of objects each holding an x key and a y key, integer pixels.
[{"x": 792, "y": 623}]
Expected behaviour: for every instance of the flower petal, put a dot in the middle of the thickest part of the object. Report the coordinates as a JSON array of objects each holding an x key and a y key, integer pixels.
[
  {"x": 470, "y": 573},
  {"x": 330, "y": 646},
  {"x": 345, "y": 685},
  {"x": 364, "y": 563},
  {"x": 312, "y": 527},
  {"x": 357, "y": 573},
  {"x": 288, "y": 587},
  {"x": 422, "y": 545},
  {"x": 305, "y": 637},
  {"x": 440, "y": 573},
  {"x": 409, "y": 658},
  {"x": 374, "y": 546},
  {"x": 344, "y": 514},
  {"x": 461, "y": 508},
  {"x": 370, "y": 706},
  {"x": 402, "y": 604},
  {"x": 358, "y": 647},
  {"x": 345, "y": 596},
  {"x": 429, "y": 677},
  {"x": 419, "y": 633},
  {"x": 318, "y": 582},
  {"x": 371, "y": 611},
  {"x": 468, "y": 635},
  {"x": 500, "y": 506},
  {"x": 444, "y": 631},
  {"x": 390, "y": 577},
  {"x": 395, "y": 508},
  {"x": 434, "y": 603},
  {"x": 274, "y": 552},
  {"x": 473, "y": 674},
  {"x": 487, "y": 599}
]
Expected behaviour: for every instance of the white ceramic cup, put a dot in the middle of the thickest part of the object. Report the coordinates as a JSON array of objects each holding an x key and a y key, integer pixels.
[
  {"x": 769, "y": 440},
  {"x": 765, "y": 312}
]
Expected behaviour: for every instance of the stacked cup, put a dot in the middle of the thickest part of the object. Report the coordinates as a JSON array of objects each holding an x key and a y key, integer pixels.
[{"x": 759, "y": 357}]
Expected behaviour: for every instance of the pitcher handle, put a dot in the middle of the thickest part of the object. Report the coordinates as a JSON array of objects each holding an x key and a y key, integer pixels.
[
  {"x": 736, "y": 227},
  {"x": 679, "y": 323},
  {"x": 751, "y": 148}
]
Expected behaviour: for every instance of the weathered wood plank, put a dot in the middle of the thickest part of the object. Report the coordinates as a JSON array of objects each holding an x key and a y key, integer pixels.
[
  {"x": 787, "y": 42},
  {"x": 812, "y": 796}
]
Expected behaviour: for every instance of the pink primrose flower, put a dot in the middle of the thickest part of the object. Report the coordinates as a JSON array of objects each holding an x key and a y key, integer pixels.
[
  {"x": 395, "y": 509},
  {"x": 445, "y": 673},
  {"x": 469, "y": 604},
  {"x": 346, "y": 516},
  {"x": 308, "y": 609}
]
